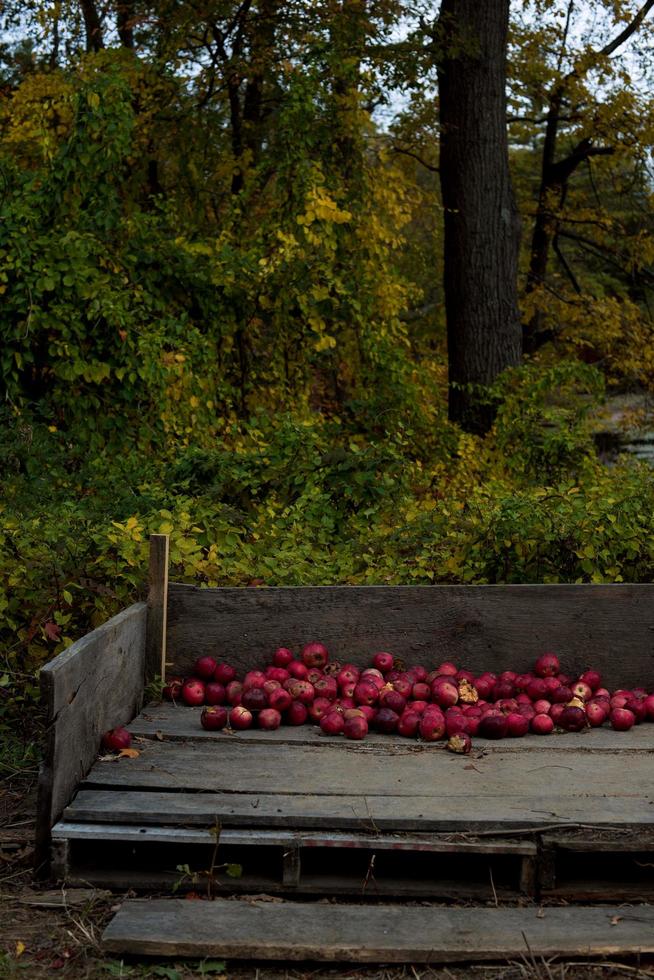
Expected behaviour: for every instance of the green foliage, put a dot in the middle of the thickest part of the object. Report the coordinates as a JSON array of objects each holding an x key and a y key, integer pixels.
[
  {"x": 303, "y": 500},
  {"x": 227, "y": 325}
]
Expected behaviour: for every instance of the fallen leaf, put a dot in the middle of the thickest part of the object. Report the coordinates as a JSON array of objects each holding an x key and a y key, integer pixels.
[
  {"x": 616, "y": 919},
  {"x": 472, "y": 767},
  {"x": 540, "y": 914},
  {"x": 129, "y": 754},
  {"x": 159, "y": 736},
  {"x": 52, "y": 631},
  {"x": 20, "y": 948}
]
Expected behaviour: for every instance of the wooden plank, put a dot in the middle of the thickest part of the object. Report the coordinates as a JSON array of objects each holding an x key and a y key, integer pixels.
[
  {"x": 451, "y": 814},
  {"x": 480, "y": 627},
  {"x": 428, "y": 843},
  {"x": 357, "y": 769},
  {"x": 92, "y": 686},
  {"x": 155, "y": 654},
  {"x": 260, "y": 930},
  {"x": 181, "y": 723}
]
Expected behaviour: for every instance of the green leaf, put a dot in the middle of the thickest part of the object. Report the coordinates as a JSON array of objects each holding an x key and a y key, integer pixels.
[
  {"x": 170, "y": 972},
  {"x": 209, "y": 967},
  {"x": 234, "y": 870}
]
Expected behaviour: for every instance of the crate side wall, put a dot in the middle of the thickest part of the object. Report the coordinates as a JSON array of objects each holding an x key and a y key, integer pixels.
[
  {"x": 94, "y": 685},
  {"x": 480, "y": 627}
]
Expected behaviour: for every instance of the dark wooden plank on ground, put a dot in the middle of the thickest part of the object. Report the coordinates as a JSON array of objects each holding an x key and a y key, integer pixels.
[
  {"x": 397, "y": 770},
  {"x": 481, "y": 627},
  {"x": 179, "y": 722},
  {"x": 307, "y": 931},
  {"x": 429, "y": 843},
  {"x": 92, "y": 686},
  {"x": 155, "y": 654},
  {"x": 379, "y": 813}
]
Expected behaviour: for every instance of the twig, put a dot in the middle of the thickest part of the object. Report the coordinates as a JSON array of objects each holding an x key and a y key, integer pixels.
[
  {"x": 531, "y": 955},
  {"x": 609, "y": 965},
  {"x": 490, "y": 872}
]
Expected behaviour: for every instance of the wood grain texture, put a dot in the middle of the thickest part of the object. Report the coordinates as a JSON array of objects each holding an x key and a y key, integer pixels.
[
  {"x": 155, "y": 655},
  {"x": 371, "y": 814},
  {"x": 413, "y": 770},
  {"x": 94, "y": 685},
  {"x": 181, "y": 723},
  {"x": 323, "y": 932},
  {"x": 429, "y": 843},
  {"x": 481, "y": 627}
]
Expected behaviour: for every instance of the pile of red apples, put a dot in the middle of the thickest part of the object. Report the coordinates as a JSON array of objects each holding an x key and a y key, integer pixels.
[{"x": 446, "y": 703}]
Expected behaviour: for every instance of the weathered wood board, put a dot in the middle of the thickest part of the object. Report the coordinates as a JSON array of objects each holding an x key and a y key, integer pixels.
[
  {"x": 368, "y": 933},
  {"x": 452, "y": 814},
  {"x": 435, "y": 843},
  {"x": 411, "y": 769},
  {"x": 480, "y": 627},
  {"x": 94, "y": 685},
  {"x": 182, "y": 723}
]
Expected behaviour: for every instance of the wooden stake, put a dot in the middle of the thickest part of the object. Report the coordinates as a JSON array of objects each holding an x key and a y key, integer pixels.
[{"x": 155, "y": 641}]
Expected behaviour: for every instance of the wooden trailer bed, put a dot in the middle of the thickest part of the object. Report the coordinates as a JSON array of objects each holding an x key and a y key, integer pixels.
[{"x": 516, "y": 824}]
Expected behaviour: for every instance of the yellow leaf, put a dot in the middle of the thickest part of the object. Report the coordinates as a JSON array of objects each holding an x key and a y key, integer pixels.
[
  {"x": 325, "y": 342},
  {"x": 129, "y": 754},
  {"x": 20, "y": 948}
]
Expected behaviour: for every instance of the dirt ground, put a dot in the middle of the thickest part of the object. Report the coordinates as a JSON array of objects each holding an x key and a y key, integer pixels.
[{"x": 46, "y": 932}]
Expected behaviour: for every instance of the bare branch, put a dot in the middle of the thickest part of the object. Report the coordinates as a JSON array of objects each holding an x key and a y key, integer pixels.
[
  {"x": 411, "y": 153},
  {"x": 565, "y": 265},
  {"x": 566, "y": 29},
  {"x": 624, "y": 35}
]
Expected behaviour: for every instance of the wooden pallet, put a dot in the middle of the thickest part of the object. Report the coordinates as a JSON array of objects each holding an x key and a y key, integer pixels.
[{"x": 306, "y": 814}]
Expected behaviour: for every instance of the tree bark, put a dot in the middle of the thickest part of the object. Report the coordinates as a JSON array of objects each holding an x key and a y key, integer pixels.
[
  {"x": 92, "y": 26},
  {"x": 482, "y": 227},
  {"x": 125, "y": 22}
]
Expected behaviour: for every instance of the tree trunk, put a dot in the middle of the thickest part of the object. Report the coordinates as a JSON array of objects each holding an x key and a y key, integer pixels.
[
  {"x": 125, "y": 22},
  {"x": 347, "y": 34},
  {"x": 92, "y": 26},
  {"x": 482, "y": 228}
]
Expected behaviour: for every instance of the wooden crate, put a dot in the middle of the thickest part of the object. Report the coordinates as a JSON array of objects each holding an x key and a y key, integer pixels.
[{"x": 309, "y": 815}]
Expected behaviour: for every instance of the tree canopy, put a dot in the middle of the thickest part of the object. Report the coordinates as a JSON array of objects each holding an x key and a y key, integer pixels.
[{"x": 222, "y": 244}]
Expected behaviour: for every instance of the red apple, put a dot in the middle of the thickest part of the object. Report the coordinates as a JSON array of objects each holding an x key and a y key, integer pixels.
[
  {"x": 204, "y": 667},
  {"x": 173, "y": 689},
  {"x": 193, "y": 692},
  {"x": 314, "y": 655},
  {"x": 547, "y": 665},
  {"x": 214, "y": 693},
  {"x": 214, "y": 718},
  {"x": 240, "y": 718},
  {"x": 116, "y": 740},
  {"x": 224, "y": 673},
  {"x": 356, "y": 728},
  {"x": 282, "y": 657},
  {"x": 269, "y": 719},
  {"x": 383, "y": 662}
]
